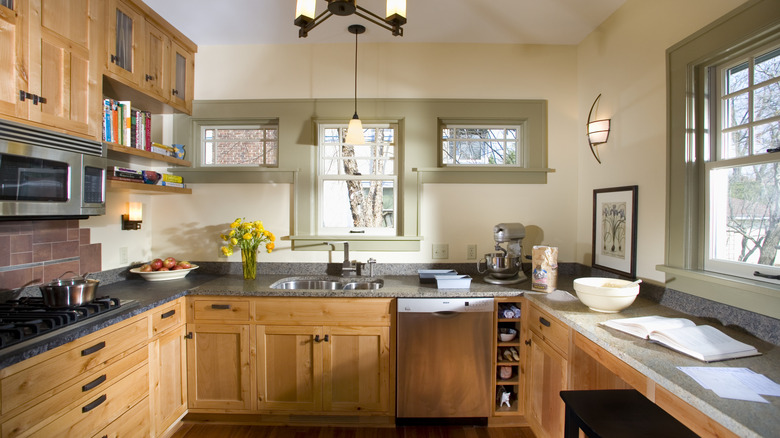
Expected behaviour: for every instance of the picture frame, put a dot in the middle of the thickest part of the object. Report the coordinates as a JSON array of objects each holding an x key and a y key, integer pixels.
[{"x": 614, "y": 230}]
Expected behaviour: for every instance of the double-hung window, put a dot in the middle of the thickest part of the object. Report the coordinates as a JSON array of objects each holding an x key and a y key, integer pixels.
[
  {"x": 743, "y": 170},
  {"x": 357, "y": 184}
]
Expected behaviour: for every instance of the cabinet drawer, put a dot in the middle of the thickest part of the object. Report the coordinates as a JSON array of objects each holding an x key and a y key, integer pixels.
[
  {"x": 76, "y": 358},
  {"x": 550, "y": 329},
  {"x": 210, "y": 309},
  {"x": 86, "y": 419},
  {"x": 85, "y": 389},
  {"x": 167, "y": 317},
  {"x": 132, "y": 424},
  {"x": 329, "y": 311}
]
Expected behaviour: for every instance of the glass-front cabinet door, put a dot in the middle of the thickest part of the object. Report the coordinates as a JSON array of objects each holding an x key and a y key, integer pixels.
[
  {"x": 124, "y": 34},
  {"x": 182, "y": 78}
]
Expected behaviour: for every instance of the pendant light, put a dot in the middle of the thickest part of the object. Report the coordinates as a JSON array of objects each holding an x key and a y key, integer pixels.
[
  {"x": 355, "y": 128},
  {"x": 306, "y": 18}
]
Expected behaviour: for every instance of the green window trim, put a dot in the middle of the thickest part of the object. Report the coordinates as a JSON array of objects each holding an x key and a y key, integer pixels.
[{"x": 748, "y": 26}]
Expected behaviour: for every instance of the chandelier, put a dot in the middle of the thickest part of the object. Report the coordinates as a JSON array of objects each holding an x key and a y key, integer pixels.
[{"x": 305, "y": 15}]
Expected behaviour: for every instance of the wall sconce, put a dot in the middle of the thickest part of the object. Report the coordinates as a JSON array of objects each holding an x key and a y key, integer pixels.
[
  {"x": 597, "y": 130},
  {"x": 132, "y": 220}
]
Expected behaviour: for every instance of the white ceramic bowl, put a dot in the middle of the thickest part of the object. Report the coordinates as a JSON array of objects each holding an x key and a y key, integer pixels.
[
  {"x": 605, "y": 294},
  {"x": 508, "y": 335},
  {"x": 163, "y": 275}
]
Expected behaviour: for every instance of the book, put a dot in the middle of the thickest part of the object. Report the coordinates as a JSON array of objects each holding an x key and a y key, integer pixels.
[
  {"x": 125, "y": 179},
  {"x": 702, "y": 342},
  {"x": 167, "y": 177}
]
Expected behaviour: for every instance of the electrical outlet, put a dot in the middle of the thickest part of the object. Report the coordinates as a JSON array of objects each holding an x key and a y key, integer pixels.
[
  {"x": 123, "y": 255},
  {"x": 440, "y": 251},
  {"x": 471, "y": 252}
]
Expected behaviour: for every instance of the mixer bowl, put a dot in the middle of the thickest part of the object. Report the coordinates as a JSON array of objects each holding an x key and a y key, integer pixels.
[{"x": 500, "y": 265}]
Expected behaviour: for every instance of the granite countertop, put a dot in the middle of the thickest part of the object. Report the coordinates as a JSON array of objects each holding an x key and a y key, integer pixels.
[{"x": 746, "y": 419}]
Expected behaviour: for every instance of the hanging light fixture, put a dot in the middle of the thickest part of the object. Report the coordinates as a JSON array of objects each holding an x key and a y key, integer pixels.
[
  {"x": 306, "y": 18},
  {"x": 355, "y": 128}
]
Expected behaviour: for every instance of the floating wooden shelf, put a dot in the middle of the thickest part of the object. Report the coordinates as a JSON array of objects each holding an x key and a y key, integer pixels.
[
  {"x": 148, "y": 188},
  {"x": 142, "y": 157}
]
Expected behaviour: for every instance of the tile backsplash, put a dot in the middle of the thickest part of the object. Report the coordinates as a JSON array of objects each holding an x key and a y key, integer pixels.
[{"x": 35, "y": 252}]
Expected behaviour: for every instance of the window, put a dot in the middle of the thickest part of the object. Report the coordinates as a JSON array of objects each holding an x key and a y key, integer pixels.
[
  {"x": 481, "y": 145},
  {"x": 357, "y": 183},
  {"x": 743, "y": 174},
  {"x": 718, "y": 159},
  {"x": 240, "y": 146}
]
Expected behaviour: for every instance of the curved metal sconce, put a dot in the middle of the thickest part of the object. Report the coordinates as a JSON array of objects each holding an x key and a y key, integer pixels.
[{"x": 597, "y": 130}]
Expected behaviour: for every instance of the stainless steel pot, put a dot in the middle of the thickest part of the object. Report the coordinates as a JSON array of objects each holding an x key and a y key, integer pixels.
[
  {"x": 69, "y": 292},
  {"x": 500, "y": 265}
]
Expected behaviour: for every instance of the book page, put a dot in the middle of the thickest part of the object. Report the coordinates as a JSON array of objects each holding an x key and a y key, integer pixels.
[
  {"x": 703, "y": 342},
  {"x": 643, "y": 325}
]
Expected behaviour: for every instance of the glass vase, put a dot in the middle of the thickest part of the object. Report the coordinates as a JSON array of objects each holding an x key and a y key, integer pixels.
[{"x": 249, "y": 262}]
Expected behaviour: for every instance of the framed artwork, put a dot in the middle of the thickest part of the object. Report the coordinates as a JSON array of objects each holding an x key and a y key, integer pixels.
[{"x": 614, "y": 230}]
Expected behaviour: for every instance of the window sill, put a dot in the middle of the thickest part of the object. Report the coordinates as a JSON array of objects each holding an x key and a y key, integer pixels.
[
  {"x": 357, "y": 243},
  {"x": 755, "y": 296},
  {"x": 237, "y": 175},
  {"x": 482, "y": 175}
]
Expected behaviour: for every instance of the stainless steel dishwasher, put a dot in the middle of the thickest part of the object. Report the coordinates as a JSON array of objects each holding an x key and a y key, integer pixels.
[{"x": 444, "y": 357}]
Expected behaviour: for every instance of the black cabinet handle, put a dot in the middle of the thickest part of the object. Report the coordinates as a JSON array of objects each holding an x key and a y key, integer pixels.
[
  {"x": 91, "y": 385},
  {"x": 544, "y": 322},
  {"x": 188, "y": 335},
  {"x": 98, "y": 401},
  {"x": 527, "y": 342},
  {"x": 317, "y": 338},
  {"x": 93, "y": 349},
  {"x": 326, "y": 338},
  {"x": 220, "y": 306},
  {"x": 114, "y": 59},
  {"x": 175, "y": 92},
  {"x": 149, "y": 77},
  {"x": 168, "y": 314},
  {"x": 769, "y": 276}
]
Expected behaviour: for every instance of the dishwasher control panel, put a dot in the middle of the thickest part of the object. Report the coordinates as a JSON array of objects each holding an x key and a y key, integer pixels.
[{"x": 432, "y": 305}]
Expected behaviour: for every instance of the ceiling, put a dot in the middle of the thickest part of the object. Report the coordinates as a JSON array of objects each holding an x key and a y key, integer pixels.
[{"x": 237, "y": 22}]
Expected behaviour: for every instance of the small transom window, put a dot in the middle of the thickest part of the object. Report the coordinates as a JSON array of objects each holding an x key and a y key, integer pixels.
[
  {"x": 240, "y": 146},
  {"x": 481, "y": 145}
]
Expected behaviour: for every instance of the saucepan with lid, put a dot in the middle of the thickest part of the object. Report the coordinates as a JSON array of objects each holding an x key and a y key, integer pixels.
[{"x": 68, "y": 292}]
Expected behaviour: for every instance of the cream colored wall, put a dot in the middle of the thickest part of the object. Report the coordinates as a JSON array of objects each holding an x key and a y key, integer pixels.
[
  {"x": 454, "y": 214},
  {"x": 624, "y": 60}
]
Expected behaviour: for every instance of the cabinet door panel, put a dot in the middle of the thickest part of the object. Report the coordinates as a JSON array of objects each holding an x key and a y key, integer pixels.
[
  {"x": 182, "y": 84},
  {"x": 547, "y": 376},
  {"x": 218, "y": 367},
  {"x": 13, "y": 67},
  {"x": 154, "y": 77},
  {"x": 289, "y": 368},
  {"x": 124, "y": 36},
  {"x": 356, "y": 369},
  {"x": 170, "y": 387}
]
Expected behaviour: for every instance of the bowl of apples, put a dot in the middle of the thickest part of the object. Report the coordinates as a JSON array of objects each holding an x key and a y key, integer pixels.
[{"x": 164, "y": 269}]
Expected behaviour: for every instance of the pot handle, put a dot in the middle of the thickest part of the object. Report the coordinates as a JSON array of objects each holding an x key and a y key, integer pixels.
[
  {"x": 479, "y": 262},
  {"x": 75, "y": 276}
]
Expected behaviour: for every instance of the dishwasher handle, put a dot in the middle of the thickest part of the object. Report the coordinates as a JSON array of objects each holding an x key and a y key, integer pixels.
[{"x": 445, "y": 314}]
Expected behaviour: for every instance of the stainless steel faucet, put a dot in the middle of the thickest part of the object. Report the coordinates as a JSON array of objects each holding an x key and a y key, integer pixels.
[{"x": 348, "y": 267}]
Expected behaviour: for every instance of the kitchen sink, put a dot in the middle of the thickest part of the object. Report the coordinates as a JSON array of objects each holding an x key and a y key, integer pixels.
[{"x": 318, "y": 284}]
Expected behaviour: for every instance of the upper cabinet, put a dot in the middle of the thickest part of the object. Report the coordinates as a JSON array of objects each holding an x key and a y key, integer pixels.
[
  {"x": 47, "y": 58},
  {"x": 145, "y": 53}
]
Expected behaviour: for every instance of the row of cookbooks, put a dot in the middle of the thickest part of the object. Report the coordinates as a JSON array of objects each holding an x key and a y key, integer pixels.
[
  {"x": 127, "y": 174},
  {"x": 125, "y": 125}
]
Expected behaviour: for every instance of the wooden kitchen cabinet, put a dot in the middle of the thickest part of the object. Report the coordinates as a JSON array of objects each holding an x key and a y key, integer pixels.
[
  {"x": 323, "y": 368},
  {"x": 48, "y": 50},
  {"x": 547, "y": 372},
  {"x": 168, "y": 365},
  {"x": 504, "y": 359},
  {"x": 156, "y": 76},
  {"x": 80, "y": 387},
  {"x": 124, "y": 33},
  {"x": 182, "y": 79}
]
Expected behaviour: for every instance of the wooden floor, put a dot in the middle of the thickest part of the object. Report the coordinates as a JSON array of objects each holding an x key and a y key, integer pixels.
[{"x": 225, "y": 431}]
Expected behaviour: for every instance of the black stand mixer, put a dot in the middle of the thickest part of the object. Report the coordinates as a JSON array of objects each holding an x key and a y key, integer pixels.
[{"x": 505, "y": 266}]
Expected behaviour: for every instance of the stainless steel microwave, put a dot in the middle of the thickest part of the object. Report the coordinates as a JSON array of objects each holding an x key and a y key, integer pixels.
[{"x": 46, "y": 174}]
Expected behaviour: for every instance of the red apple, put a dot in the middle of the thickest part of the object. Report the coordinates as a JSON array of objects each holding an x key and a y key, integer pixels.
[
  {"x": 146, "y": 268},
  {"x": 169, "y": 262},
  {"x": 156, "y": 264},
  {"x": 163, "y": 269},
  {"x": 176, "y": 268},
  {"x": 184, "y": 264}
]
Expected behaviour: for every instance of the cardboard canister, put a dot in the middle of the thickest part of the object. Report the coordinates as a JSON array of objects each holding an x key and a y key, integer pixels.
[{"x": 544, "y": 277}]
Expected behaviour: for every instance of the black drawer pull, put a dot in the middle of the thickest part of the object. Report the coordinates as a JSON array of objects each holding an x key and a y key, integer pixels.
[
  {"x": 220, "y": 306},
  {"x": 168, "y": 314},
  {"x": 91, "y": 385},
  {"x": 98, "y": 401},
  {"x": 95, "y": 348},
  {"x": 544, "y": 322}
]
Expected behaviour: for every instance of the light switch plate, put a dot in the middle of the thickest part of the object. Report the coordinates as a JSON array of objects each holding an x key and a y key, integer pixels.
[{"x": 440, "y": 251}]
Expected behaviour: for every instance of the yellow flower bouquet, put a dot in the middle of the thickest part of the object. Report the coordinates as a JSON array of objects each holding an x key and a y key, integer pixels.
[{"x": 248, "y": 236}]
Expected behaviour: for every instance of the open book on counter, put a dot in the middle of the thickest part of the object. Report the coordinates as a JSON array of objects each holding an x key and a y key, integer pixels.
[{"x": 702, "y": 342}]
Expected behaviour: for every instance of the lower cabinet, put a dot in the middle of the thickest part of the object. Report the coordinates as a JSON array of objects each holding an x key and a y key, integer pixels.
[
  {"x": 323, "y": 368},
  {"x": 168, "y": 366},
  {"x": 218, "y": 367}
]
